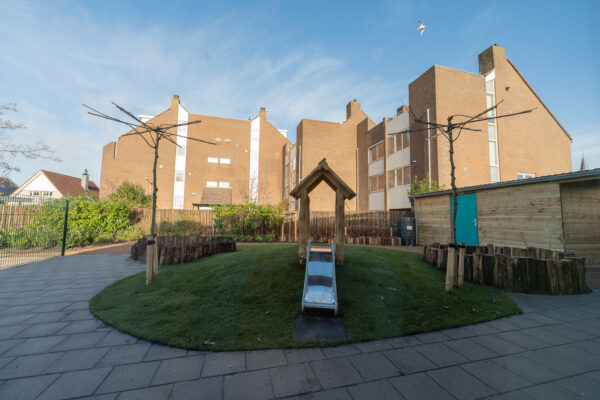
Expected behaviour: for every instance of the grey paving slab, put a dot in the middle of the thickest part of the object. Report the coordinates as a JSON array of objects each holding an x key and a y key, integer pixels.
[
  {"x": 547, "y": 334},
  {"x": 522, "y": 321},
  {"x": 259, "y": 359},
  {"x": 28, "y": 365},
  {"x": 6, "y": 332},
  {"x": 591, "y": 326},
  {"x": 178, "y": 369},
  {"x": 117, "y": 338},
  {"x": 88, "y": 325},
  {"x": 6, "y": 345},
  {"x": 581, "y": 386},
  {"x": 12, "y": 319},
  {"x": 500, "y": 379},
  {"x": 441, "y": 355},
  {"x": 340, "y": 351},
  {"x": 49, "y": 307},
  {"x": 587, "y": 359},
  {"x": 335, "y": 372},
  {"x": 497, "y": 345},
  {"x": 550, "y": 391},
  {"x": 47, "y": 317},
  {"x": 409, "y": 360},
  {"x": 374, "y": 390},
  {"x": 432, "y": 337},
  {"x": 80, "y": 341},
  {"x": 42, "y": 329},
  {"x": 420, "y": 387},
  {"x": 295, "y": 356},
  {"x": 151, "y": 393},
  {"x": 224, "y": 363},
  {"x": 588, "y": 345},
  {"x": 522, "y": 340},
  {"x": 331, "y": 394},
  {"x": 502, "y": 324},
  {"x": 79, "y": 315},
  {"x": 253, "y": 385},
  {"x": 35, "y": 345},
  {"x": 514, "y": 395},
  {"x": 527, "y": 368},
  {"x": 373, "y": 345},
  {"x": 77, "y": 359},
  {"x": 372, "y": 366},
  {"x": 126, "y": 377},
  {"x": 160, "y": 352},
  {"x": 78, "y": 305},
  {"x": 404, "y": 341},
  {"x": 25, "y": 388},
  {"x": 460, "y": 384},
  {"x": 551, "y": 360},
  {"x": 128, "y": 354},
  {"x": 5, "y": 360},
  {"x": 206, "y": 388},
  {"x": 470, "y": 349},
  {"x": 75, "y": 384},
  {"x": 293, "y": 379}
]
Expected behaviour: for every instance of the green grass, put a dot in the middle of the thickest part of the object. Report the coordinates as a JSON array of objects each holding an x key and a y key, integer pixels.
[{"x": 249, "y": 299}]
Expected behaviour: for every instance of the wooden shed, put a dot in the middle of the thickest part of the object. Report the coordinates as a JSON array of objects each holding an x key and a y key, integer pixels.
[{"x": 558, "y": 212}]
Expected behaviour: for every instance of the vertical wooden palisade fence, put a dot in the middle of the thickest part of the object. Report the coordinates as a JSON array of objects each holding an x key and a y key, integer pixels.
[
  {"x": 371, "y": 227},
  {"x": 31, "y": 230}
]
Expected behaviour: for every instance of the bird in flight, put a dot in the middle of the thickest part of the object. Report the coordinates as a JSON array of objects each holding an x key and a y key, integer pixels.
[{"x": 421, "y": 27}]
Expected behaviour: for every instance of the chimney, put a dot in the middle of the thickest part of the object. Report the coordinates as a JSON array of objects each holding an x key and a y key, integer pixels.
[
  {"x": 352, "y": 108},
  {"x": 401, "y": 109},
  {"x": 490, "y": 58},
  {"x": 85, "y": 180},
  {"x": 175, "y": 101},
  {"x": 263, "y": 113}
]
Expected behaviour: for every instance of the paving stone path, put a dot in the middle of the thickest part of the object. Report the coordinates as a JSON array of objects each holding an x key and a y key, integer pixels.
[{"x": 51, "y": 347}]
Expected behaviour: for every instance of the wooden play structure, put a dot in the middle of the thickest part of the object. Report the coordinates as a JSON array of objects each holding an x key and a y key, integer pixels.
[{"x": 322, "y": 172}]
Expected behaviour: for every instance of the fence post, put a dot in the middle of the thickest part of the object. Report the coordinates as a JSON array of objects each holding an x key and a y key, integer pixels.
[{"x": 64, "y": 236}]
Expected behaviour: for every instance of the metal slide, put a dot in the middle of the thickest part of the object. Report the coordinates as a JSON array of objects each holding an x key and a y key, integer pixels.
[{"x": 320, "y": 290}]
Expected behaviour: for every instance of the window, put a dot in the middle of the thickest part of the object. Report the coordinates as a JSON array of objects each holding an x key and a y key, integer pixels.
[
  {"x": 392, "y": 178},
  {"x": 181, "y": 150},
  {"x": 179, "y": 176},
  {"x": 492, "y": 132},
  {"x": 391, "y": 144},
  {"x": 223, "y": 184},
  {"x": 225, "y": 160},
  {"x": 34, "y": 194},
  {"x": 47, "y": 194},
  {"x": 405, "y": 140},
  {"x": 406, "y": 173},
  {"x": 213, "y": 160},
  {"x": 178, "y": 202},
  {"x": 525, "y": 175},
  {"x": 376, "y": 152},
  {"x": 211, "y": 183},
  {"x": 376, "y": 183}
]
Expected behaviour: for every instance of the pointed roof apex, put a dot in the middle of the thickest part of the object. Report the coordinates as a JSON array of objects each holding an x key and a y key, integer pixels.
[
  {"x": 584, "y": 166},
  {"x": 322, "y": 172}
]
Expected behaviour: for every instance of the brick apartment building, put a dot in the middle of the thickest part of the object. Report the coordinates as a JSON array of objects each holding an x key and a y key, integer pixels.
[
  {"x": 244, "y": 164},
  {"x": 519, "y": 147},
  {"x": 254, "y": 160}
]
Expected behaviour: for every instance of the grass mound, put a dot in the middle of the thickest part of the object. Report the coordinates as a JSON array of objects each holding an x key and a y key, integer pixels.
[{"x": 249, "y": 299}]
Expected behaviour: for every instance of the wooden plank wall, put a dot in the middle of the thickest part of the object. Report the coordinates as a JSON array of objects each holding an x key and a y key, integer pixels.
[
  {"x": 521, "y": 216},
  {"x": 433, "y": 219},
  {"x": 581, "y": 219}
]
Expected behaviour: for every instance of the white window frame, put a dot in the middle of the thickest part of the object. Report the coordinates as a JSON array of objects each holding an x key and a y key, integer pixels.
[
  {"x": 525, "y": 175},
  {"x": 490, "y": 97},
  {"x": 212, "y": 184},
  {"x": 213, "y": 160},
  {"x": 224, "y": 184},
  {"x": 179, "y": 176},
  {"x": 378, "y": 156},
  {"x": 180, "y": 150},
  {"x": 225, "y": 160},
  {"x": 178, "y": 202}
]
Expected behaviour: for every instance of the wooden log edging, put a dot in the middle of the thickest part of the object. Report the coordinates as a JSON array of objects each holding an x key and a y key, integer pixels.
[
  {"x": 181, "y": 249},
  {"x": 526, "y": 270}
]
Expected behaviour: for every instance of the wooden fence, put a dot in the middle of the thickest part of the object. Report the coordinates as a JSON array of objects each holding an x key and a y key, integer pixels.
[
  {"x": 374, "y": 227},
  {"x": 16, "y": 216}
]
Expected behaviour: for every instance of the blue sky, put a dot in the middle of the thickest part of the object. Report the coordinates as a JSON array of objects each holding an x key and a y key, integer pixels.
[{"x": 298, "y": 59}]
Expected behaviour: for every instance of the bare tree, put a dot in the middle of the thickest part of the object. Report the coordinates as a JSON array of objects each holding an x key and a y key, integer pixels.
[
  {"x": 9, "y": 150},
  {"x": 448, "y": 131},
  {"x": 152, "y": 135}
]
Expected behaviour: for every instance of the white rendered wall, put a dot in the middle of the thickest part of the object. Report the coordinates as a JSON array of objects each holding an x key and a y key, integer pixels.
[
  {"x": 376, "y": 168},
  {"x": 40, "y": 184},
  {"x": 377, "y": 201},
  {"x": 179, "y": 187},
  {"x": 398, "y": 196},
  {"x": 254, "y": 154}
]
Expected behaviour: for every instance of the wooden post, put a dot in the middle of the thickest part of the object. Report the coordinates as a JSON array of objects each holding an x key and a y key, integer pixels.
[
  {"x": 461, "y": 264},
  {"x": 339, "y": 227},
  {"x": 151, "y": 243},
  {"x": 296, "y": 228},
  {"x": 450, "y": 269},
  {"x": 155, "y": 258},
  {"x": 304, "y": 228}
]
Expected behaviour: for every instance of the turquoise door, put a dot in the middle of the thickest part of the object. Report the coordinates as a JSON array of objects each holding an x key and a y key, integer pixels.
[{"x": 466, "y": 219}]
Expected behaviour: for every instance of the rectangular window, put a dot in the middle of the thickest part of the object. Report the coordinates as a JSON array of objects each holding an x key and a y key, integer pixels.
[
  {"x": 381, "y": 182},
  {"x": 406, "y": 140},
  {"x": 225, "y": 160},
  {"x": 406, "y": 173},
  {"x": 213, "y": 160},
  {"x": 223, "y": 184},
  {"x": 392, "y": 178},
  {"x": 211, "y": 183},
  {"x": 178, "y": 202},
  {"x": 525, "y": 175},
  {"x": 181, "y": 150},
  {"x": 492, "y": 132},
  {"x": 376, "y": 152},
  {"x": 179, "y": 176},
  {"x": 380, "y": 150},
  {"x": 391, "y": 144}
]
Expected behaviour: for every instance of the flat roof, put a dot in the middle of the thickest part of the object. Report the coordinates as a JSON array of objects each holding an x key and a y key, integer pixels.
[{"x": 582, "y": 175}]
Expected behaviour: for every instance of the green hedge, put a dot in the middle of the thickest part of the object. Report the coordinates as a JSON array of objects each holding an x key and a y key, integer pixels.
[{"x": 248, "y": 222}]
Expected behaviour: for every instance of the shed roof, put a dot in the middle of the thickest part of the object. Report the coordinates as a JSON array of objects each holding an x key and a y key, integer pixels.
[
  {"x": 322, "y": 172},
  {"x": 578, "y": 175}
]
